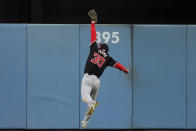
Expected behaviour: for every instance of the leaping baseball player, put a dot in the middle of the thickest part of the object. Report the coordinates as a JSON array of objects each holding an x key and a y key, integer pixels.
[{"x": 98, "y": 59}]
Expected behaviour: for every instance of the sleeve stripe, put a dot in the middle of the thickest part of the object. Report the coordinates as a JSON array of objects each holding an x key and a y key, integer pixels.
[
  {"x": 92, "y": 43},
  {"x": 115, "y": 64}
]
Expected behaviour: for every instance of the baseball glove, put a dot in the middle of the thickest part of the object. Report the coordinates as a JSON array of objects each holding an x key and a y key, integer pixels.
[{"x": 93, "y": 15}]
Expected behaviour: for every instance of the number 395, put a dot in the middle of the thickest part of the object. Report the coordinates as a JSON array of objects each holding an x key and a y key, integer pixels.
[{"x": 106, "y": 36}]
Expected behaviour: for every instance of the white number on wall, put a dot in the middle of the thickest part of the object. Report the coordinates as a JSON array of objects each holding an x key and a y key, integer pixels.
[
  {"x": 115, "y": 37},
  {"x": 106, "y": 37},
  {"x": 98, "y": 37}
]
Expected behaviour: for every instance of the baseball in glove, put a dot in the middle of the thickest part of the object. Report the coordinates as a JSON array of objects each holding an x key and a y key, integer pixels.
[{"x": 93, "y": 15}]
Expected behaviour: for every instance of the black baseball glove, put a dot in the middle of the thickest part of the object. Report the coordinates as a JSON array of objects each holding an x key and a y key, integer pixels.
[{"x": 93, "y": 15}]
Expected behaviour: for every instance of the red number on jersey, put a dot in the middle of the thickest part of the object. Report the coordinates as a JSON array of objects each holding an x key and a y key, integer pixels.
[
  {"x": 101, "y": 62},
  {"x": 98, "y": 60}
]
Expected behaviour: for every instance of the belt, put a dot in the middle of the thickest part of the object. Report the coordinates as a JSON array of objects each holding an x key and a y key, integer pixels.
[{"x": 92, "y": 74}]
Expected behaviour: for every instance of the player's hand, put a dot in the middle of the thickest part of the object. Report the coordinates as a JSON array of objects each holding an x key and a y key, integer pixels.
[
  {"x": 93, "y": 15},
  {"x": 126, "y": 72}
]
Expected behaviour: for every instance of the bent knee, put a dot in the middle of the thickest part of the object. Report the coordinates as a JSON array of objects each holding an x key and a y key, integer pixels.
[{"x": 84, "y": 100}]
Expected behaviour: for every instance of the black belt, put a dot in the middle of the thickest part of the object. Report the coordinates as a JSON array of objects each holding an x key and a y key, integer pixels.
[{"x": 92, "y": 74}]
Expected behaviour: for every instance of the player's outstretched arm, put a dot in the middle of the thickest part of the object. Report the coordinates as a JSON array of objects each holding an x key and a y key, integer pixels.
[
  {"x": 93, "y": 16},
  {"x": 121, "y": 67},
  {"x": 93, "y": 32}
]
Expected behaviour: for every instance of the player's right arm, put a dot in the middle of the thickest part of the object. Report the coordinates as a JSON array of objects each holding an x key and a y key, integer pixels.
[
  {"x": 117, "y": 65},
  {"x": 121, "y": 67}
]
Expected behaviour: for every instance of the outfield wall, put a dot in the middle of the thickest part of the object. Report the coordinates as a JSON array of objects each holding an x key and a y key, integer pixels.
[{"x": 42, "y": 66}]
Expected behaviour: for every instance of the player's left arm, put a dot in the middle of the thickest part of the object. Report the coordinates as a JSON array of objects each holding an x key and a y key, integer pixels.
[
  {"x": 93, "y": 15},
  {"x": 93, "y": 32}
]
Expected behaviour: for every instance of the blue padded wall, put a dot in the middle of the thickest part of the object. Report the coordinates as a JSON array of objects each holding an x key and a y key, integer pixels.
[
  {"x": 12, "y": 76},
  {"x": 53, "y": 80},
  {"x": 115, "y": 95},
  {"x": 159, "y": 87},
  {"x": 42, "y": 65},
  {"x": 191, "y": 75}
]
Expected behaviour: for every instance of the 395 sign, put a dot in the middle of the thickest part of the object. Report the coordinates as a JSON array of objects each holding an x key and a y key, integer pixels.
[{"x": 106, "y": 37}]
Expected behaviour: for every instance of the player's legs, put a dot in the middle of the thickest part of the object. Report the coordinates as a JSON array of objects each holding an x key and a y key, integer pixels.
[
  {"x": 95, "y": 89},
  {"x": 86, "y": 88},
  {"x": 85, "y": 91},
  {"x": 87, "y": 116},
  {"x": 93, "y": 94}
]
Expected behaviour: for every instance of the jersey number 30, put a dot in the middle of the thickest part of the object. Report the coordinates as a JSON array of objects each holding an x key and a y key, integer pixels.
[{"x": 98, "y": 60}]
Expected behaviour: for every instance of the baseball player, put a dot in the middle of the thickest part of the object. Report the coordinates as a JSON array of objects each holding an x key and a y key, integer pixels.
[{"x": 96, "y": 63}]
